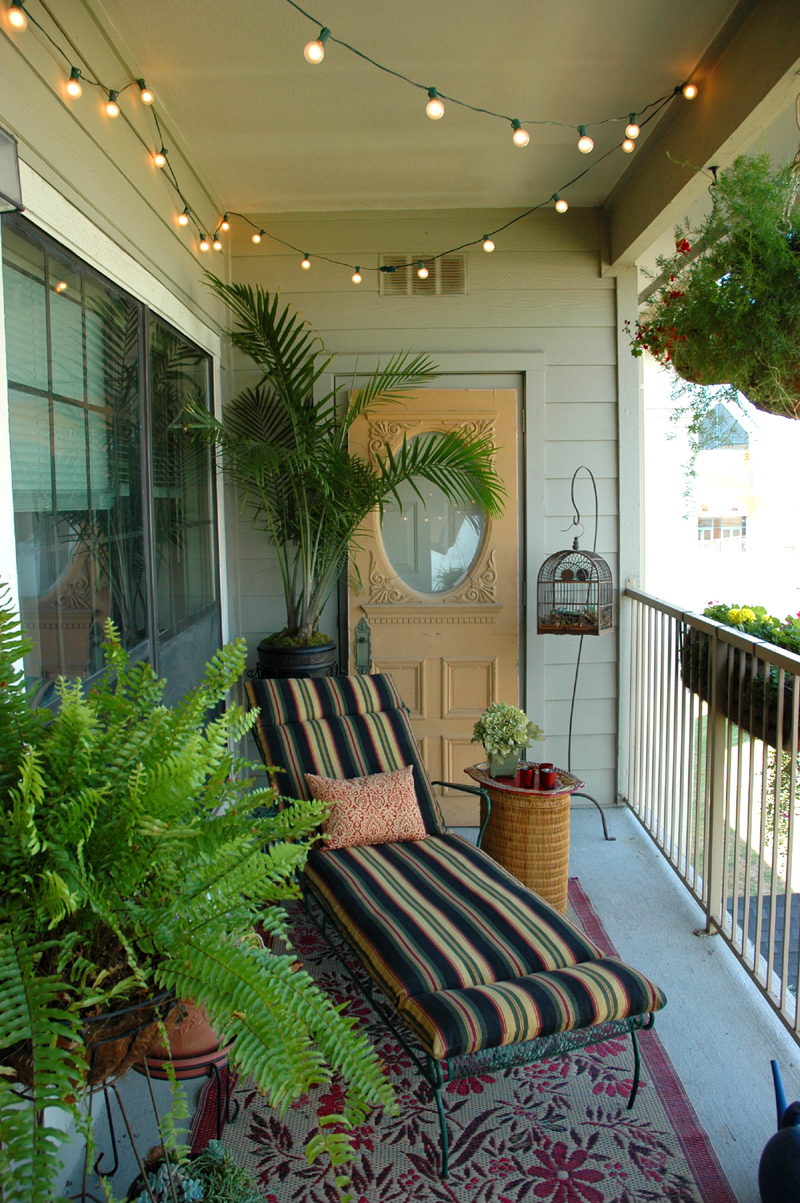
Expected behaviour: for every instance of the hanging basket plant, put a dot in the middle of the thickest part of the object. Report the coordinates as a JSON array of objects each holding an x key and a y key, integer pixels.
[{"x": 727, "y": 309}]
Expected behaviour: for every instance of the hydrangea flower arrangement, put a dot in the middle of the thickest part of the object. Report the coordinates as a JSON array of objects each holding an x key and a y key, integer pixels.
[{"x": 502, "y": 729}]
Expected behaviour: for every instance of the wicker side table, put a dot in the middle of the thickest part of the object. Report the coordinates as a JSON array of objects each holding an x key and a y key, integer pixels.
[{"x": 528, "y": 831}]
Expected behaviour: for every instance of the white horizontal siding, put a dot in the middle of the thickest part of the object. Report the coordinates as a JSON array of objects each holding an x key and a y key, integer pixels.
[{"x": 541, "y": 290}]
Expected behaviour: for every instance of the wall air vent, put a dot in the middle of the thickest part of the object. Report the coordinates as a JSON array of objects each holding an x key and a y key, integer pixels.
[{"x": 447, "y": 276}]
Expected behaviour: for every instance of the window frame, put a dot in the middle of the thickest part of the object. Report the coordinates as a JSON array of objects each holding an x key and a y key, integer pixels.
[{"x": 150, "y": 648}]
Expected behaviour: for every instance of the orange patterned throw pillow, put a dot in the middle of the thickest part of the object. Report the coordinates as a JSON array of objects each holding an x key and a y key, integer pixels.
[{"x": 381, "y": 809}]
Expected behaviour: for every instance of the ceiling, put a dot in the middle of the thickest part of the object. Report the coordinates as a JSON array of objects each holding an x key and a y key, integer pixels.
[{"x": 273, "y": 134}]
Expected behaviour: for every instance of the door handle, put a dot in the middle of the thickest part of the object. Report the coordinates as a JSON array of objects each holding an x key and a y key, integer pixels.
[{"x": 363, "y": 648}]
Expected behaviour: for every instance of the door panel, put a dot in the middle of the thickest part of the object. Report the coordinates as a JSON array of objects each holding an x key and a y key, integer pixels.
[{"x": 442, "y": 599}]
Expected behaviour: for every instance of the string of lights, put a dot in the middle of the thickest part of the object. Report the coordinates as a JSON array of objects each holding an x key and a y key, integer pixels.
[
  {"x": 314, "y": 53},
  {"x": 18, "y": 16}
]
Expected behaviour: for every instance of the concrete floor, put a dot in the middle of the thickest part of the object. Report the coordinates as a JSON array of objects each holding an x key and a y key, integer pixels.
[{"x": 716, "y": 1028}]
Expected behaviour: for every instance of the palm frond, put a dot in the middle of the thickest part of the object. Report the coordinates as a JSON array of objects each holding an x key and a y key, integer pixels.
[
  {"x": 460, "y": 464},
  {"x": 388, "y": 384}
]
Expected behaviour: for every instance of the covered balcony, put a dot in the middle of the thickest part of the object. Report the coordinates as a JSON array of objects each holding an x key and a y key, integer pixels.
[{"x": 504, "y": 234}]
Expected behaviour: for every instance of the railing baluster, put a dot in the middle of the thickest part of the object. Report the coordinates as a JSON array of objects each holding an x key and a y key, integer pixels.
[{"x": 707, "y": 713}]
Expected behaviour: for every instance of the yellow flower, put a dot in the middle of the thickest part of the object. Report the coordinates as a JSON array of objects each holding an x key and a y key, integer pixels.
[
  {"x": 735, "y": 616},
  {"x": 746, "y": 614}
]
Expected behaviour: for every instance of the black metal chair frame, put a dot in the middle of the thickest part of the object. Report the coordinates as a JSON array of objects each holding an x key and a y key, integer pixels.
[{"x": 439, "y": 1074}]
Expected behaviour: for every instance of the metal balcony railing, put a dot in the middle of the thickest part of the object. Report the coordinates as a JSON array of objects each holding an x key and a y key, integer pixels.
[{"x": 712, "y": 774}]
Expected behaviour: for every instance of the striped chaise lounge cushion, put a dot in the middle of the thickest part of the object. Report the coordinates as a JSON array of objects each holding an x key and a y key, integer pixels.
[
  {"x": 469, "y": 956},
  {"x": 338, "y": 727}
]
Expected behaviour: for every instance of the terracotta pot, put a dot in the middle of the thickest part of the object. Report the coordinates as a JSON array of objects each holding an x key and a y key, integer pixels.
[
  {"x": 283, "y": 662},
  {"x": 193, "y": 1047}
]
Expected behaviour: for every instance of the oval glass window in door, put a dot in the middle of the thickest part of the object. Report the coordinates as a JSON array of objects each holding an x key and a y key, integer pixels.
[{"x": 432, "y": 546}]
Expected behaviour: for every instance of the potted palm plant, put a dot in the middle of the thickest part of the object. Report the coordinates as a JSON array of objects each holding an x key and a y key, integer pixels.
[
  {"x": 136, "y": 862},
  {"x": 286, "y": 449}
]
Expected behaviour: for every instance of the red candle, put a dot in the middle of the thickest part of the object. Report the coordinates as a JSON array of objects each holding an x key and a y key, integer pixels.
[
  {"x": 526, "y": 776},
  {"x": 547, "y": 776}
]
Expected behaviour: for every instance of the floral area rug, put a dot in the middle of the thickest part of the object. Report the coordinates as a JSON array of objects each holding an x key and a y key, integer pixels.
[{"x": 556, "y": 1131}]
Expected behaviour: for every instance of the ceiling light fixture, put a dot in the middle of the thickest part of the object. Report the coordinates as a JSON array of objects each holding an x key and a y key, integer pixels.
[
  {"x": 585, "y": 143},
  {"x": 488, "y": 245},
  {"x": 225, "y": 224},
  {"x": 628, "y": 145},
  {"x": 632, "y": 129},
  {"x": 434, "y": 108},
  {"x": 160, "y": 157},
  {"x": 145, "y": 95},
  {"x": 17, "y": 17},
  {"x": 183, "y": 218},
  {"x": 356, "y": 276},
  {"x": 689, "y": 91},
  {"x": 314, "y": 52},
  {"x": 111, "y": 107},
  {"x": 561, "y": 204},
  {"x": 422, "y": 270},
  {"x": 74, "y": 88},
  {"x": 256, "y": 237},
  {"x": 204, "y": 243},
  {"x": 520, "y": 136},
  {"x": 305, "y": 263}
]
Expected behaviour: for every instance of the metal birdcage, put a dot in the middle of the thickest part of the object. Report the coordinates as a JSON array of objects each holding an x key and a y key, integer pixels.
[{"x": 575, "y": 594}]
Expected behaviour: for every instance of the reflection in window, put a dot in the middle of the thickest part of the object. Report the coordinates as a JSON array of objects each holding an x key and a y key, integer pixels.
[
  {"x": 182, "y": 481},
  {"x": 73, "y": 376},
  {"x": 78, "y": 415},
  {"x": 431, "y": 543}
]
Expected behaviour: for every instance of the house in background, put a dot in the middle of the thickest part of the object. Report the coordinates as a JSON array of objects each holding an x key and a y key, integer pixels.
[{"x": 109, "y": 507}]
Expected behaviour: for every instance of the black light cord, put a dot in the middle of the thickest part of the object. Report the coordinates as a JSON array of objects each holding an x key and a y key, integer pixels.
[
  {"x": 202, "y": 229},
  {"x": 463, "y": 103}
]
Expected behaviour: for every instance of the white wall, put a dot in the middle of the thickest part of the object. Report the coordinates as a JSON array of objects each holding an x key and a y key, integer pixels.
[{"x": 539, "y": 291}]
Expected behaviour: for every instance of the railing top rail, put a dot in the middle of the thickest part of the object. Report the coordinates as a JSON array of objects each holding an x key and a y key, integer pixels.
[{"x": 770, "y": 652}]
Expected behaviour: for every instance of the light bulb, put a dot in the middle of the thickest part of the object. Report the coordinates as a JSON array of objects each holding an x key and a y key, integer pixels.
[
  {"x": 17, "y": 17},
  {"x": 145, "y": 95},
  {"x": 74, "y": 88},
  {"x": 160, "y": 158},
  {"x": 689, "y": 91},
  {"x": 61, "y": 286},
  {"x": 632, "y": 129},
  {"x": 356, "y": 276},
  {"x": 305, "y": 263},
  {"x": 216, "y": 243},
  {"x": 315, "y": 51},
  {"x": 422, "y": 271},
  {"x": 183, "y": 218},
  {"x": 585, "y": 143},
  {"x": 520, "y": 137},
  {"x": 225, "y": 224},
  {"x": 561, "y": 204},
  {"x": 434, "y": 108},
  {"x": 256, "y": 237},
  {"x": 111, "y": 107},
  {"x": 204, "y": 243},
  {"x": 628, "y": 145},
  {"x": 488, "y": 245}
]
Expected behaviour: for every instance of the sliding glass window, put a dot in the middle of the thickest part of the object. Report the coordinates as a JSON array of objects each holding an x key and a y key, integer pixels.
[{"x": 113, "y": 501}]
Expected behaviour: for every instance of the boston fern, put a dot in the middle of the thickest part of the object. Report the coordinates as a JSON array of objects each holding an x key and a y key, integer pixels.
[
  {"x": 286, "y": 448},
  {"x": 136, "y": 860}
]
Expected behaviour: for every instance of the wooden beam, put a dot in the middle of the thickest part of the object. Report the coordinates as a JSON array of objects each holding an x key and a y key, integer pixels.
[{"x": 747, "y": 78}]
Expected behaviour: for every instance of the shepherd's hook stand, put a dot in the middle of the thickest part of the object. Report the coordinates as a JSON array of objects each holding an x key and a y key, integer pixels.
[{"x": 577, "y": 522}]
